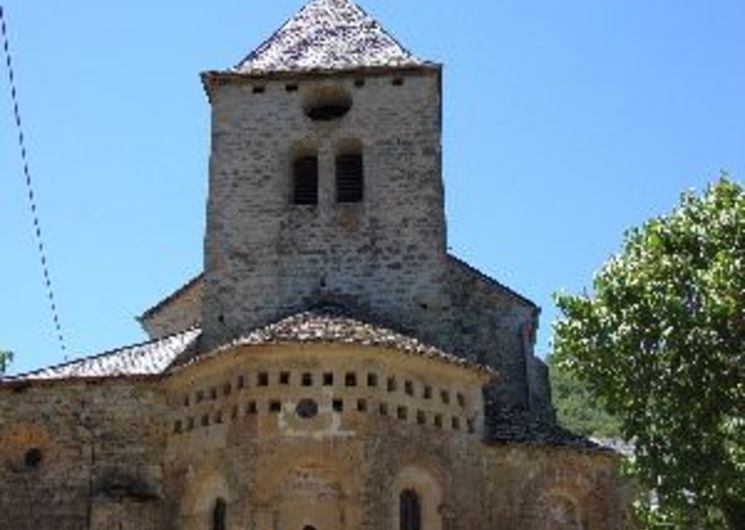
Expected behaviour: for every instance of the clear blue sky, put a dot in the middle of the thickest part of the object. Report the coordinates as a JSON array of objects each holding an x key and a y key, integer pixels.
[{"x": 566, "y": 123}]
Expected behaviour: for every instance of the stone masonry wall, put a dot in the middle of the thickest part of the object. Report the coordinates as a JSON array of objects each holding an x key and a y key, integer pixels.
[
  {"x": 492, "y": 325},
  {"x": 553, "y": 488},
  {"x": 481, "y": 321},
  {"x": 342, "y": 468},
  {"x": 157, "y": 454},
  {"x": 179, "y": 312},
  {"x": 266, "y": 258},
  {"x": 73, "y": 455}
]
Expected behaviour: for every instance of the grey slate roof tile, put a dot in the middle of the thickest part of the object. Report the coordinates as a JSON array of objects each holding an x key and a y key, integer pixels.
[
  {"x": 521, "y": 426},
  {"x": 150, "y": 358},
  {"x": 316, "y": 326},
  {"x": 329, "y": 325},
  {"x": 328, "y": 35}
]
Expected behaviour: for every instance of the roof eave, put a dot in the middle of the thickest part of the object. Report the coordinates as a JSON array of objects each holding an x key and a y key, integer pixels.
[
  {"x": 210, "y": 78},
  {"x": 483, "y": 373}
]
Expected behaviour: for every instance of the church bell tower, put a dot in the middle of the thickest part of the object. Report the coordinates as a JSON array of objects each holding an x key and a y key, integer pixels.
[{"x": 325, "y": 176}]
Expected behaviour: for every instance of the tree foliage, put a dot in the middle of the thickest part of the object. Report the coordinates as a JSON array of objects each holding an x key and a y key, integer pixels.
[
  {"x": 5, "y": 358},
  {"x": 577, "y": 409},
  {"x": 662, "y": 343}
]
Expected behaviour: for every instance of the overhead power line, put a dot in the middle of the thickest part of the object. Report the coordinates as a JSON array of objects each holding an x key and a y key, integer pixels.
[{"x": 30, "y": 188}]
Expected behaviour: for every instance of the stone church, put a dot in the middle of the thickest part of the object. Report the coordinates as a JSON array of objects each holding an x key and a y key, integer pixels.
[{"x": 334, "y": 367}]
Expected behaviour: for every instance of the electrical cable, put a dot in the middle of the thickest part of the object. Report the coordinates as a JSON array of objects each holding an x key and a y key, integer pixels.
[{"x": 30, "y": 188}]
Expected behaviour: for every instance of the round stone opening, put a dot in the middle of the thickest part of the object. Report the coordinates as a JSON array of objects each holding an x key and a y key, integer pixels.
[
  {"x": 307, "y": 408},
  {"x": 33, "y": 458},
  {"x": 327, "y": 103}
]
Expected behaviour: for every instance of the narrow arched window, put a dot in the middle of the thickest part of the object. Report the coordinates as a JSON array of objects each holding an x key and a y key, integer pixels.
[
  {"x": 305, "y": 180},
  {"x": 350, "y": 180},
  {"x": 410, "y": 510},
  {"x": 218, "y": 515}
]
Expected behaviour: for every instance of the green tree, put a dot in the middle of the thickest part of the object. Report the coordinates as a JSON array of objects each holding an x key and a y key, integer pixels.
[
  {"x": 661, "y": 342},
  {"x": 5, "y": 358},
  {"x": 576, "y": 408}
]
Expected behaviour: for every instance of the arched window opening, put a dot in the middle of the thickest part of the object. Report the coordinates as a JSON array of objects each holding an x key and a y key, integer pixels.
[
  {"x": 218, "y": 515},
  {"x": 305, "y": 180},
  {"x": 349, "y": 178},
  {"x": 410, "y": 510}
]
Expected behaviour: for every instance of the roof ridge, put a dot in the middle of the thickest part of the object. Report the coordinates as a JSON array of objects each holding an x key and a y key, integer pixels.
[
  {"x": 168, "y": 298},
  {"x": 489, "y": 279}
]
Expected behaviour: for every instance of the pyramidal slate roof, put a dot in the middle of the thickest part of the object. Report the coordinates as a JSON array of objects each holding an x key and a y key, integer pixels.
[{"x": 328, "y": 35}]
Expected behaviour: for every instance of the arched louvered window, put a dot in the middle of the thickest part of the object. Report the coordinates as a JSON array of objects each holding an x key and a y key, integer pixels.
[
  {"x": 350, "y": 182},
  {"x": 410, "y": 510},
  {"x": 305, "y": 180},
  {"x": 219, "y": 513}
]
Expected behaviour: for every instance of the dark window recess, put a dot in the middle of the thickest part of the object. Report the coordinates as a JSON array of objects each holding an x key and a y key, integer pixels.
[
  {"x": 438, "y": 420},
  {"x": 350, "y": 379},
  {"x": 409, "y": 387},
  {"x": 471, "y": 426},
  {"x": 33, "y": 458},
  {"x": 252, "y": 408},
  {"x": 190, "y": 424},
  {"x": 284, "y": 378},
  {"x": 186, "y": 400},
  {"x": 241, "y": 382},
  {"x": 445, "y": 396},
  {"x": 398, "y": 81},
  {"x": 372, "y": 380},
  {"x": 391, "y": 384},
  {"x": 421, "y": 417},
  {"x": 305, "y": 180},
  {"x": 263, "y": 379},
  {"x": 338, "y": 405},
  {"x": 328, "y": 379},
  {"x": 275, "y": 406},
  {"x": 258, "y": 90},
  {"x": 227, "y": 389},
  {"x": 219, "y": 513},
  {"x": 213, "y": 393},
  {"x": 383, "y": 409},
  {"x": 410, "y": 511},
  {"x": 328, "y": 111},
  {"x": 205, "y": 420},
  {"x": 177, "y": 428},
  {"x": 307, "y": 379},
  {"x": 234, "y": 412},
  {"x": 218, "y": 417},
  {"x": 401, "y": 413},
  {"x": 306, "y": 408},
  {"x": 349, "y": 178},
  {"x": 362, "y": 405},
  {"x": 455, "y": 423},
  {"x": 291, "y": 88},
  {"x": 427, "y": 392}
]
